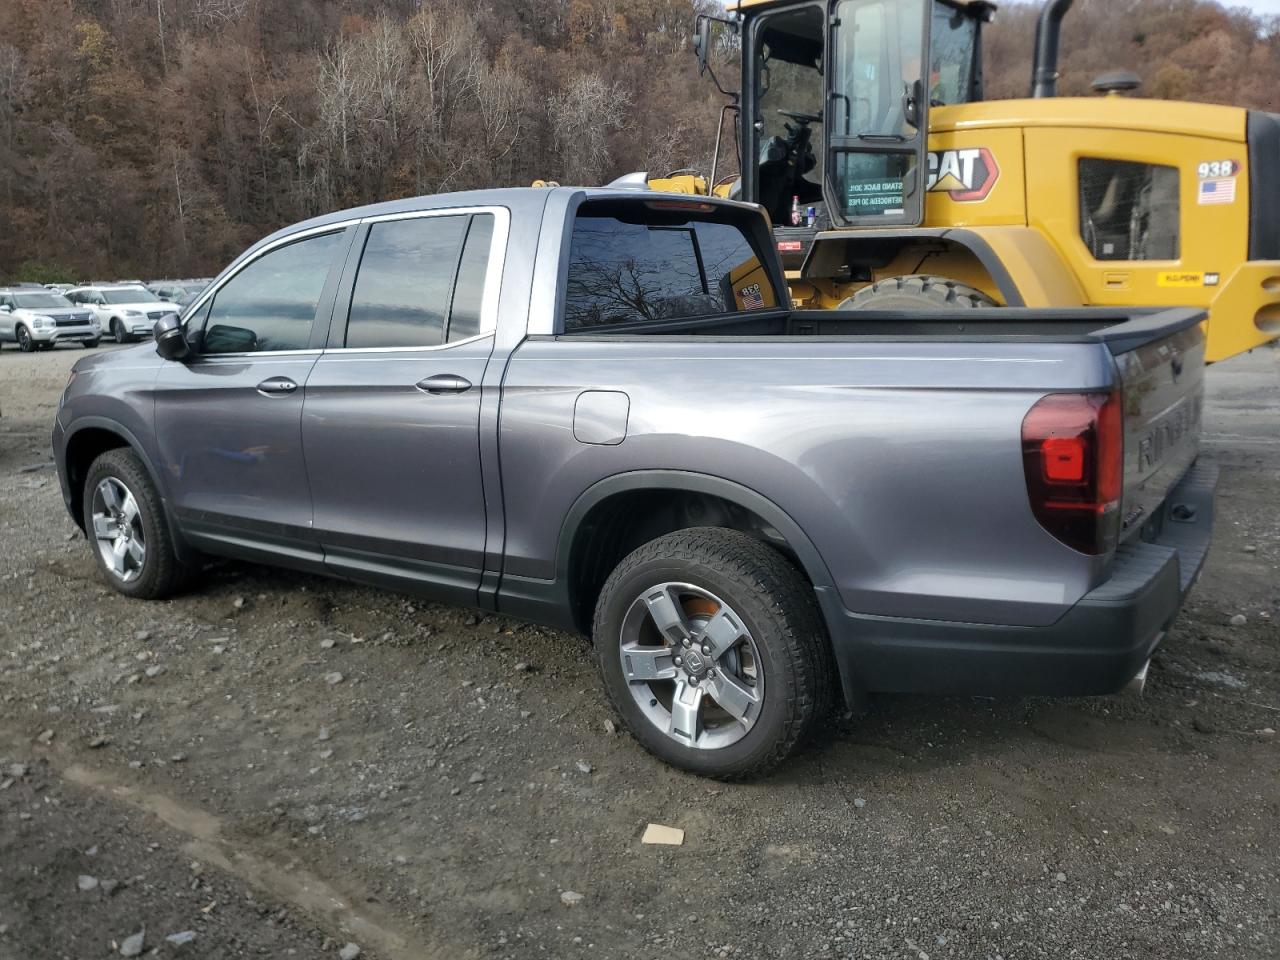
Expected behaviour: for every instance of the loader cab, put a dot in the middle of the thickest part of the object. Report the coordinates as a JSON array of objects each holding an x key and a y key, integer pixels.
[{"x": 835, "y": 102}]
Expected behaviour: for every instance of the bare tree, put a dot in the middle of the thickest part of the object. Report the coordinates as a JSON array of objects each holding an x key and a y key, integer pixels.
[{"x": 581, "y": 119}]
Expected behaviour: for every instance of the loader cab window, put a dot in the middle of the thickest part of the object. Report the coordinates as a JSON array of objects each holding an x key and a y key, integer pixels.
[
  {"x": 789, "y": 111},
  {"x": 1129, "y": 211},
  {"x": 879, "y": 112},
  {"x": 953, "y": 46}
]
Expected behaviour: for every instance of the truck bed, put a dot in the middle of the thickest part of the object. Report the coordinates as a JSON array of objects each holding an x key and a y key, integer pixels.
[{"x": 1122, "y": 329}]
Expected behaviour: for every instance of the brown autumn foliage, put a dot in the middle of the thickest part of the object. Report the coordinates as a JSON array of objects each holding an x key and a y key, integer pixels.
[{"x": 160, "y": 137}]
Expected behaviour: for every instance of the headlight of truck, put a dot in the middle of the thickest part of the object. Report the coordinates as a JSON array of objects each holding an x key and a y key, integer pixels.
[
  {"x": 133, "y": 313},
  {"x": 42, "y": 323}
]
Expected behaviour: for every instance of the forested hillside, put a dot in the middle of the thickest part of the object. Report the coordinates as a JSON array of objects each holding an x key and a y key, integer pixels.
[{"x": 150, "y": 137}]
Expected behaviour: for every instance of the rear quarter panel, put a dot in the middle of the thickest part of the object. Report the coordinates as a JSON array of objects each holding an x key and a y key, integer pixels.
[{"x": 901, "y": 461}]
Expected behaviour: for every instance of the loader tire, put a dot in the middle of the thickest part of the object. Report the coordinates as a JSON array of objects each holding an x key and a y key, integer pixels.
[{"x": 917, "y": 292}]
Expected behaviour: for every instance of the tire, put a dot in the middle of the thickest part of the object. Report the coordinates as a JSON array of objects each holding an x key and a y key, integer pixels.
[
  {"x": 91, "y": 344},
  {"x": 780, "y": 656},
  {"x": 158, "y": 572},
  {"x": 25, "y": 343},
  {"x": 920, "y": 291},
  {"x": 118, "y": 331}
]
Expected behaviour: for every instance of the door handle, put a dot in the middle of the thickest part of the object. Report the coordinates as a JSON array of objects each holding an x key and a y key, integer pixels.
[
  {"x": 444, "y": 383},
  {"x": 277, "y": 387}
]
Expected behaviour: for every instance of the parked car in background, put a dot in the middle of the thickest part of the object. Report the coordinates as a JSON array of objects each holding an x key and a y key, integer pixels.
[
  {"x": 598, "y": 410},
  {"x": 39, "y": 319},
  {"x": 181, "y": 292},
  {"x": 126, "y": 312},
  {"x": 59, "y": 288}
]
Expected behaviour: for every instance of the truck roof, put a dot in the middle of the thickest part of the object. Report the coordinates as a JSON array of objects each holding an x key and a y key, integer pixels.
[{"x": 527, "y": 201}]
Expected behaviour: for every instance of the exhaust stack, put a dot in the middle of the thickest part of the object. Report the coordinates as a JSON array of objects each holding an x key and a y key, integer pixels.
[{"x": 1044, "y": 70}]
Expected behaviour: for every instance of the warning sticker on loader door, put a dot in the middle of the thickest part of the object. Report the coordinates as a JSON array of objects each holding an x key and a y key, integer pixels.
[{"x": 966, "y": 176}]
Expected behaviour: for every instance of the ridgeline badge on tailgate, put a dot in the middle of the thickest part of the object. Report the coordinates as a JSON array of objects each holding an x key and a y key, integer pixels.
[{"x": 966, "y": 176}]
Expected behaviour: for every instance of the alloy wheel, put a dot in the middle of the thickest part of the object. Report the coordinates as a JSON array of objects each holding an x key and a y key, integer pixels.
[
  {"x": 691, "y": 665},
  {"x": 117, "y": 529}
]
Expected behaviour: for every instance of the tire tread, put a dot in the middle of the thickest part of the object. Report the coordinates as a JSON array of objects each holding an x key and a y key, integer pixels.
[{"x": 929, "y": 289}]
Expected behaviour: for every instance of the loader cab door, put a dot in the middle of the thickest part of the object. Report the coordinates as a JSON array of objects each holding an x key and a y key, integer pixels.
[
  {"x": 877, "y": 111},
  {"x": 784, "y": 93}
]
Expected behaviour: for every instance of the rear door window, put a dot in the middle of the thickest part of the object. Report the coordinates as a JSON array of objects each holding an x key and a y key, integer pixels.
[
  {"x": 623, "y": 272},
  {"x": 420, "y": 282}
]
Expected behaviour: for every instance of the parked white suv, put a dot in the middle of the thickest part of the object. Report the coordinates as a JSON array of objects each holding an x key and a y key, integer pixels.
[
  {"x": 40, "y": 319},
  {"x": 126, "y": 311}
]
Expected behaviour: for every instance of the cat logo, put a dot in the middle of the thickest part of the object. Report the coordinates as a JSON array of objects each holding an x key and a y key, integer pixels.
[{"x": 966, "y": 176}]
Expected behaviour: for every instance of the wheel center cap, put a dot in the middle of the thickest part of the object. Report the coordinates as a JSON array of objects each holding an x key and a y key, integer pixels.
[{"x": 694, "y": 662}]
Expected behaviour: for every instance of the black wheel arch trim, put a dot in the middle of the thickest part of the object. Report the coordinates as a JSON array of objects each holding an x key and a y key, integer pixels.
[
  {"x": 79, "y": 425},
  {"x": 811, "y": 562},
  {"x": 977, "y": 245}
]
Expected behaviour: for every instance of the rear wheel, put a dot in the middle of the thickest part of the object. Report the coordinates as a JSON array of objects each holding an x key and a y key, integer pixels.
[
  {"x": 128, "y": 528},
  {"x": 712, "y": 652},
  {"x": 916, "y": 292},
  {"x": 25, "y": 343}
]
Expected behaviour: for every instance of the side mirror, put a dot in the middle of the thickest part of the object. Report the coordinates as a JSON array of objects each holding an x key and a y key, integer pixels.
[
  {"x": 5, "y": 308},
  {"x": 171, "y": 341},
  {"x": 702, "y": 46},
  {"x": 702, "y": 42}
]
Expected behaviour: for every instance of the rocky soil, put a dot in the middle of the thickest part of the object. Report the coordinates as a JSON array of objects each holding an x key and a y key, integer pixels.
[{"x": 278, "y": 765}]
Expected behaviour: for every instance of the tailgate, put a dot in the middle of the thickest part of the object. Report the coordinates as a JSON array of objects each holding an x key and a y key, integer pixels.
[{"x": 1163, "y": 390}]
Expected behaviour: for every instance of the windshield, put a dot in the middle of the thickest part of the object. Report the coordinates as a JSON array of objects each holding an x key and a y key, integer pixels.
[
  {"x": 41, "y": 301},
  {"x": 130, "y": 295}
]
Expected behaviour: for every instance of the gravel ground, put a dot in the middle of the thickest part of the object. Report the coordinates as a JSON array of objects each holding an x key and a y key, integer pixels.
[{"x": 283, "y": 765}]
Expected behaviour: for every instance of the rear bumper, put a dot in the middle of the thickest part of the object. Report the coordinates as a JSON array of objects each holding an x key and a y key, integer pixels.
[{"x": 1095, "y": 648}]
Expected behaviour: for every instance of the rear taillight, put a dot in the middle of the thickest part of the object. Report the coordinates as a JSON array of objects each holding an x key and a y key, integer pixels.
[{"x": 1073, "y": 456}]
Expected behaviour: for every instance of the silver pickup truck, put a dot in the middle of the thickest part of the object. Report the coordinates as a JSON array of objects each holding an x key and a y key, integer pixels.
[{"x": 596, "y": 409}]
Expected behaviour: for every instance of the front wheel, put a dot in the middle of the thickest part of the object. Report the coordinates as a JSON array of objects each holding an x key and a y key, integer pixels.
[
  {"x": 25, "y": 343},
  {"x": 90, "y": 344},
  {"x": 128, "y": 528},
  {"x": 118, "y": 331},
  {"x": 712, "y": 652}
]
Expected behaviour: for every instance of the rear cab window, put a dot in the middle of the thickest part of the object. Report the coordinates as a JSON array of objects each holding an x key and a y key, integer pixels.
[{"x": 645, "y": 265}]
